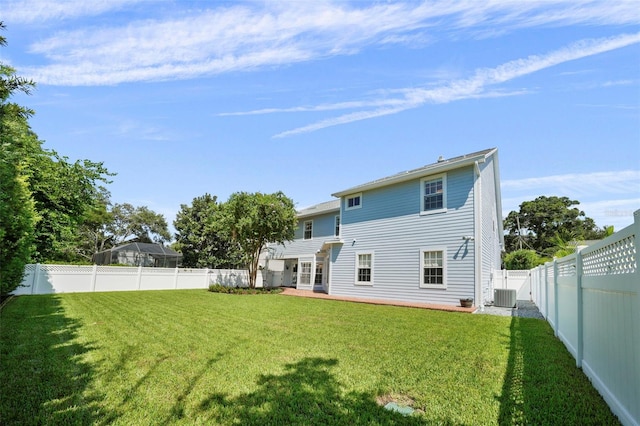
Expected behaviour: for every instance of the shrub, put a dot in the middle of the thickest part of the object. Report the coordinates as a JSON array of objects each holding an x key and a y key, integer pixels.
[
  {"x": 522, "y": 259},
  {"x": 219, "y": 288}
]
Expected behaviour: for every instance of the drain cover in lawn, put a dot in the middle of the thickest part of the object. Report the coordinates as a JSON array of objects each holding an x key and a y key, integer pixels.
[{"x": 404, "y": 410}]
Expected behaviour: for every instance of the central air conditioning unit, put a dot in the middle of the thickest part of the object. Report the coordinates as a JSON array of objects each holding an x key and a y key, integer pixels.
[{"x": 504, "y": 298}]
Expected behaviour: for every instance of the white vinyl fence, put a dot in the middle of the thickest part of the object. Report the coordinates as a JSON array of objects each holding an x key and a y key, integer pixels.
[
  {"x": 47, "y": 279},
  {"x": 518, "y": 280},
  {"x": 591, "y": 299}
]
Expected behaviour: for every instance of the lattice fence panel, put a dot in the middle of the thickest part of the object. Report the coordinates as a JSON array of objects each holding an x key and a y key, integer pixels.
[
  {"x": 614, "y": 259},
  {"x": 567, "y": 268},
  {"x": 65, "y": 269}
]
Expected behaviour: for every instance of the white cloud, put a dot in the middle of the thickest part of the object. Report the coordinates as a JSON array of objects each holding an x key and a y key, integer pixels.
[
  {"x": 131, "y": 129},
  {"x": 251, "y": 35},
  {"x": 38, "y": 11},
  {"x": 475, "y": 86},
  {"x": 618, "y": 182},
  {"x": 609, "y": 198}
]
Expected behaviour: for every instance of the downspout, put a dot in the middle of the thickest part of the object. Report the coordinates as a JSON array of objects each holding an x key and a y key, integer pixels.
[{"x": 478, "y": 235}]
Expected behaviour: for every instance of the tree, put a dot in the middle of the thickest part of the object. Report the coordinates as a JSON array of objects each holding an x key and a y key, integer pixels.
[
  {"x": 44, "y": 198},
  {"x": 64, "y": 194},
  {"x": 93, "y": 234},
  {"x": 18, "y": 217},
  {"x": 201, "y": 238},
  {"x": 540, "y": 222},
  {"x": 141, "y": 223},
  {"x": 254, "y": 219}
]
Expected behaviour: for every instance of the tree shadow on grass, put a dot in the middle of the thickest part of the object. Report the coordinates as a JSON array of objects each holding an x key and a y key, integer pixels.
[
  {"x": 42, "y": 375},
  {"x": 177, "y": 411},
  {"x": 306, "y": 393},
  {"x": 542, "y": 384}
]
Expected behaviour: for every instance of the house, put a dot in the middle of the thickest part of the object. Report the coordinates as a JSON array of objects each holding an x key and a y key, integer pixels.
[
  {"x": 431, "y": 235},
  {"x": 139, "y": 254}
]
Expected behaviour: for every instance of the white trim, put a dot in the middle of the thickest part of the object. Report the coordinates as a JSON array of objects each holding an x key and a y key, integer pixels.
[
  {"x": 330, "y": 270},
  {"x": 311, "y": 273},
  {"x": 443, "y": 250},
  {"x": 348, "y": 197},
  {"x": 443, "y": 177},
  {"x": 477, "y": 213},
  {"x": 355, "y": 272},
  {"x": 304, "y": 229}
]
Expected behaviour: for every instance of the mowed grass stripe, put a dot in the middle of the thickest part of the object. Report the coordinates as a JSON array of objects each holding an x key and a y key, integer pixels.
[{"x": 190, "y": 357}]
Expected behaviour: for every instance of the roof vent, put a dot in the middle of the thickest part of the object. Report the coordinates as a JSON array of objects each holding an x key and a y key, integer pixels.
[{"x": 440, "y": 159}]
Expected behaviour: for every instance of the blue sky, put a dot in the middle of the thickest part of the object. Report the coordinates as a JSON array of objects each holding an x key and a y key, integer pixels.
[{"x": 183, "y": 98}]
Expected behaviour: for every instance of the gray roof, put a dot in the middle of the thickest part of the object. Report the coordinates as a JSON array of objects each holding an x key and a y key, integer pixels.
[
  {"x": 150, "y": 248},
  {"x": 326, "y": 207},
  {"x": 441, "y": 165}
]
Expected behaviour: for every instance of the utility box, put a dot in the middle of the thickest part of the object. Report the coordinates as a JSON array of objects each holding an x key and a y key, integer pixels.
[{"x": 504, "y": 298}]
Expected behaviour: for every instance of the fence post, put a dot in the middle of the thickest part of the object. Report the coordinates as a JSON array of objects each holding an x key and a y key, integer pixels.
[
  {"x": 94, "y": 275},
  {"x": 36, "y": 279},
  {"x": 546, "y": 289},
  {"x": 555, "y": 297},
  {"x": 580, "y": 344},
  {"x": 206, "y": 278},
  {"x": 139, "y": 276},
  {"x": 175, "y": 279}
]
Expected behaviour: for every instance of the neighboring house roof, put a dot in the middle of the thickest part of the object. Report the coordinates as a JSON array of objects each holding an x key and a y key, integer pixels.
[
  {"x": 150, "y": 248},
  {"x": 326, "y": 207},
  {"x": 442, "y": 165}
]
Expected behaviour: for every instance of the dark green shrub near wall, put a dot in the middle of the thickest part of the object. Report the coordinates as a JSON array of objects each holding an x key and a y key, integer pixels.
[
  {"x": 523, "y": 259},
  {"x": 219, "y": 288}
]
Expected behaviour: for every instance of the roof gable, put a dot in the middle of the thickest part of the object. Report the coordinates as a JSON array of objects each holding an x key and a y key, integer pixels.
[
  {"x": 151, "y": 248},
  {"x": 326, "y": 207}
]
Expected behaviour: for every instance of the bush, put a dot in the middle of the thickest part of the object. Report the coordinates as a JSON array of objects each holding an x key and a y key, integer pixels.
[
  {"x": 219, "y": 288},
  {"x": 522, "y": 259}
]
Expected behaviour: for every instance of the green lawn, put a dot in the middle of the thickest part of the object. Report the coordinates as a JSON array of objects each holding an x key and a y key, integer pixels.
[{"x": 194, "y": 357}]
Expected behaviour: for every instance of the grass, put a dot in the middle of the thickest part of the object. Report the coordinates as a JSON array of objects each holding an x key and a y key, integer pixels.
[{"x": 195, "y": 357}]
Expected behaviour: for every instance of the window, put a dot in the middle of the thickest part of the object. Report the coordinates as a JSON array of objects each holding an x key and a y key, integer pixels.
[
  {"x": 433, "y": 268},
  {"x": 337, "y": 231},
  {"x": 305, "y": 273},
  {"x": 433, "y": 194},
  {"x": 354, "y": 202},
  {"x": 364, "y": 268},
  {"x": 318, "y": 279},
  {"x": 308, "y": 229}
]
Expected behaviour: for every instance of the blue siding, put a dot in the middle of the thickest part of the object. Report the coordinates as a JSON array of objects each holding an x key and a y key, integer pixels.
[
  {"x": 323, "y": 229},
  {"x": 389, "y": 224}
]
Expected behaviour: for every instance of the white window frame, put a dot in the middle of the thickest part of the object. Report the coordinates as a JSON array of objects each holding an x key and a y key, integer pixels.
[
  {"x": 357, "y": 267},
  {"x": 442, "y": 250},
  {"x": 336, "y": 223},
  {"x": 351, "y": 197},
  {"x": 443, "y": 178},
  {"x": 304, "y": 230},
  {"x": 305, "y": 277}
]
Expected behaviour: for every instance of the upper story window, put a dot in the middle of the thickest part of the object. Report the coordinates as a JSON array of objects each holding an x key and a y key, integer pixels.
[
  {"x": 308, "y": 229},
  {"x": 354, "y": 202},
  {"x": 337, "y": 222},
  {"x": 433, "y": 194}
]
